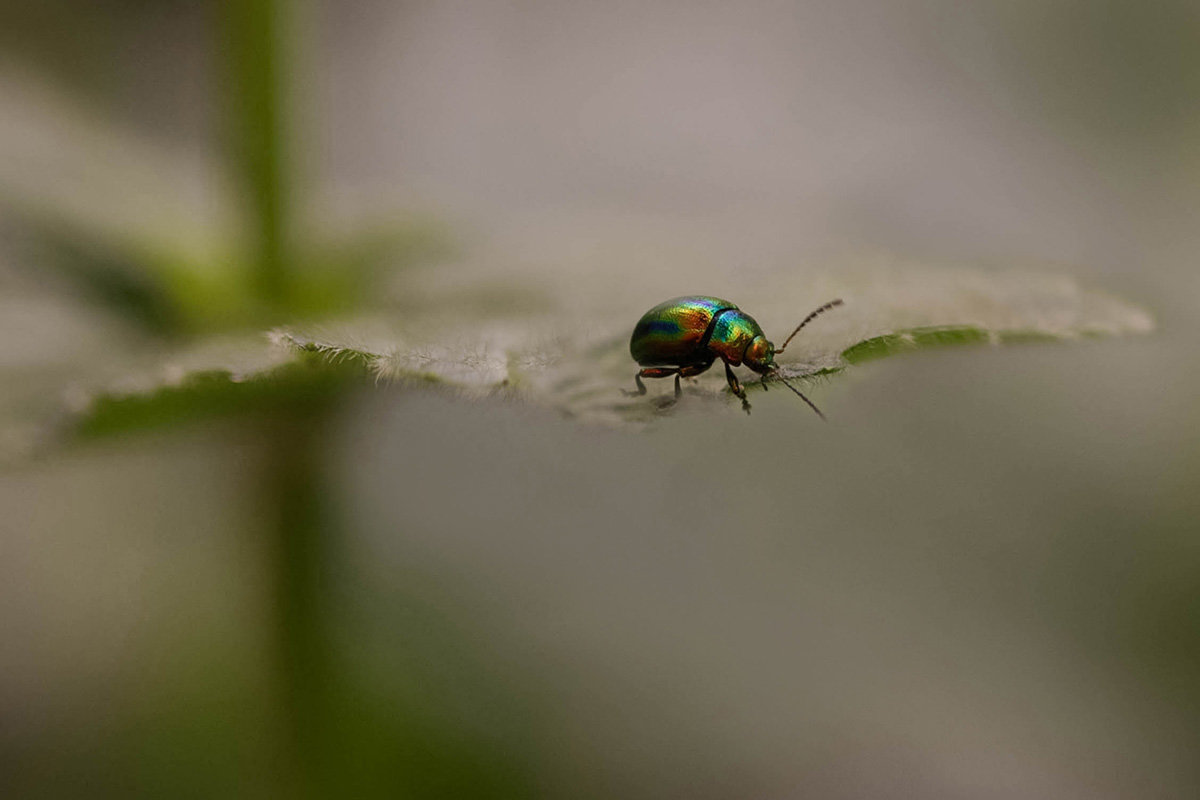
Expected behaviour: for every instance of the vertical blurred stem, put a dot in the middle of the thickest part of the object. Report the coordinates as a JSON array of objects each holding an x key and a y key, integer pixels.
[
  {"x": 255, "y": 54},
  {"x": 298, "y": 528}
]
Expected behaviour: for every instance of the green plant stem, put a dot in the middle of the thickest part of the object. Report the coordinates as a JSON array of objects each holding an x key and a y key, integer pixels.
[
  {"x": 256, "y": 70},
  {"x": 298, "y": 528}
]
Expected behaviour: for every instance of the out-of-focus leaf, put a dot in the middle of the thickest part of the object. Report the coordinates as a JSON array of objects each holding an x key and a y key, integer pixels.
[
  {"x": 111, "y": 275},
  {"x": 146, "y": 230}
]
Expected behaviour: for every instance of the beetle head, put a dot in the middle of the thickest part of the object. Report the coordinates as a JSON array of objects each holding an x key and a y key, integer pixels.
[{"x": 760, "y": 355}]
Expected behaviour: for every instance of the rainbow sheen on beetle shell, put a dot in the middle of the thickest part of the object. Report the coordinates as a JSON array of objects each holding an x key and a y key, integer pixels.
[{"x": 670, "y": 334}]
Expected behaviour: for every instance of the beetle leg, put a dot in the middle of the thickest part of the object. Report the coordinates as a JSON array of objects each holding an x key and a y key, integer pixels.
[
  {"x": 666, "y": 372},
  {"x": 653, "y": 372},
  {"x": 690, "y": 371},
  {"x": 657, "y": 372},
  {"x": 694, "y": 369},
  {"x": 733, "y": 381},
  {"x": 736, "y": 387}
]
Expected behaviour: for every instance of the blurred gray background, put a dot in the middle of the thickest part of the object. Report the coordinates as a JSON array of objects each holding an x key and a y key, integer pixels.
[{"x": 980, "y": 579}]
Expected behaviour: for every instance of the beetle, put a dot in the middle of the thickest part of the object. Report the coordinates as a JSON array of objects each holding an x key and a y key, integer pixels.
[{"x": 686, "y": 335}]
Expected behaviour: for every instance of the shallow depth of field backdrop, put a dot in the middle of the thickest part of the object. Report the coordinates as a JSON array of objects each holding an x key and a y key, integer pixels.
[{"x": 316, "y": 474}]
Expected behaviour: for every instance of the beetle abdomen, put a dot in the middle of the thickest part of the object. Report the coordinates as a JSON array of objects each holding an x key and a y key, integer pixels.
[{"x": 672, "y": 333}]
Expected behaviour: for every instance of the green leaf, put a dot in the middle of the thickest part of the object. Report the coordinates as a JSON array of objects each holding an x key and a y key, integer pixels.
[
  {"x": 577, "y": 361},
  {"x": 299, "y": 387}
]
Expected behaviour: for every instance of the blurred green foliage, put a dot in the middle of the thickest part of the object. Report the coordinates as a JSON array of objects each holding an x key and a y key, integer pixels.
[
  {"x": 169, "y": 295},
  {"x": 274, "y": 265},
  {"x": 322, "y": 733}
]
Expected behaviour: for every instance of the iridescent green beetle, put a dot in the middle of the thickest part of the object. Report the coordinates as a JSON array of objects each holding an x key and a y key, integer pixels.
[{"x": 685, "y": 336}]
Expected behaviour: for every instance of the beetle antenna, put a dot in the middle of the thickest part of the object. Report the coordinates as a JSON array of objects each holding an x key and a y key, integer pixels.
[
  {"x": 808, "y": 319},
  {"x": 800, "y": 394}
]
